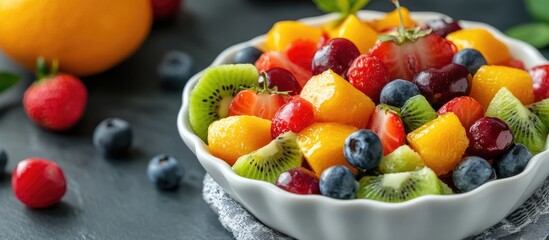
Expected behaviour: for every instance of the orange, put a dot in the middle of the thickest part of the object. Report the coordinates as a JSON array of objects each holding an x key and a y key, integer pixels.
[
  {"x": 494, "y": 51},
  {"x": 231, "y": 137},
  {"x": 284, "y": 33},
  {"x": 441, "y": 143},
  {"x": 392, "y": 20},
  {"x": 322, "y": 145},
  {"x": 86, "y": 36},
  {"x": 490, "y": 79},
  {"x": 356, "y": 31},
  {"x": 336, "y": 100}
]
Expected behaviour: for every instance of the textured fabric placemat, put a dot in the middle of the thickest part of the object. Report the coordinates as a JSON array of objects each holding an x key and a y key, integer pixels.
[{"x": 530, "y": 221}]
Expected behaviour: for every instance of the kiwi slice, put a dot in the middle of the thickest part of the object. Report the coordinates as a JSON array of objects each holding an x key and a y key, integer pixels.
[
  {"x": 415, "y": 112},
  {"x": 402, "y": 159},
  {"x": 399, "y": 187},
  {"x": 526, "y": 127},
  {"x": 268, "y": 162},
  {"x": 212, "y": 95},
  {"x": 444, "y": 188},
  {"x": 541, "y": 109},
  {"x": 384, "y": 106}
]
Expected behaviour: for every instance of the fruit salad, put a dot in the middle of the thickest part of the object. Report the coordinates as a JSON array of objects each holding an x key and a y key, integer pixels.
[{"x": 388, "y": 110}]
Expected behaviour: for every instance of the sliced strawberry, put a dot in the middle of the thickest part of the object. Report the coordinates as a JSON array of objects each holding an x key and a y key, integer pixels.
[
  {"x": 514, "y": 63},
  {"x": 260, "y": 104},
  {"x": 467, "y": 109},
  {"x": 369, "y": 75},
  {"x": 388, "y": 126},
  {"x": 406, "y": 59},
  {"x": 540, "y": 79},
  {"x": 274, "y": 59},
  {"x": 301, "y": 52},
  {"x": 294, "y": 116}
]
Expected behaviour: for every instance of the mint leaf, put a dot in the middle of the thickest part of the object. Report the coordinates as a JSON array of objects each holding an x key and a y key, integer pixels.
[
  {"x": 7, "y": 80},
  {"x": 538, "y": 9},
  {"x": 536, "y": 34},
  {"x": 345, "y": 7}
]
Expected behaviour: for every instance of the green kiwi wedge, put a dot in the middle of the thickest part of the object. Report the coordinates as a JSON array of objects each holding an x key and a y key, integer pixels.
[
  {"x": 399, "y": 187},
  {"x": 527, "y": 128},
  {"x": 444, "y": 188},
  {"x": 212, "y": 95},
  {"x": 541, "y": 109},
  {"x": 268, "y": 162},
  {"x": 402, "y": 159},
  {"x": 415, "y": 112},
  {"x": 389, "y": 107}
]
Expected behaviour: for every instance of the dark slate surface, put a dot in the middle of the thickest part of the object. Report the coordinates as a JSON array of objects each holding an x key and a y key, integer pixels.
[{"x": 112, "y": 199}]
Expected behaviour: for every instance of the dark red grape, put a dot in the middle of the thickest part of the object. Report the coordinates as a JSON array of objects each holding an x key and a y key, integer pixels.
[
  {"x": 489, "y": 138},
  {"x": 338, "y": 54},
  {"x": 281, "y": 78},
  {"x": 442, "y": 27},
  {"x": 299, "y": 180},
  {"x": 443, "y": 84}
]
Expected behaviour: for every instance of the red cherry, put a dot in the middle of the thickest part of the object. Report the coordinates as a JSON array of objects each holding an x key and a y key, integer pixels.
[
  {"x": 293, "y": 116},
  {"x": 338, "y": 54},
  {"x": 489, "y": 138},
  {"x": 38, "y": 183}
]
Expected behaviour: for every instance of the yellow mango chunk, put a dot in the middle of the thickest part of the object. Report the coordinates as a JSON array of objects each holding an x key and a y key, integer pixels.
[
  {"x": 336, "y": 100},
  {"x": 283, "y": 33},
  {"x": 494, "y": 51},
  {"x": 361, "y": 34},
  {"x": 322, "y": 145},
  {"x": 392, "y": 20},
  {"x": 490, "y": 79},
  {"x": 231, "y": 137},
  {"x": 441, "y": 143}
]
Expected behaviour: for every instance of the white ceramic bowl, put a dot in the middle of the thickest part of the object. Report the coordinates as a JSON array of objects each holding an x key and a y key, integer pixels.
[{"x": 428, "y": 217}]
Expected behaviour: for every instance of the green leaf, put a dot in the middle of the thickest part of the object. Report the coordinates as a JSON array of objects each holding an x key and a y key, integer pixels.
[
  {"x": 7, "y": 80},
  {"x": 356, "y": 5},
  {"x": 536, "y": 34},
  {"x": 538, "y": 9},
  {"x": 345, "y": 7},
  {"x": 328, "y": 6}
]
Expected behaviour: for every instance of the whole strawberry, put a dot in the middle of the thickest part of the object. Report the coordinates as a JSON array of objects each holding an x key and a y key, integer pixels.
[
  {"x": 369, "y": 75},
  {"x": 55, "y": 101}
]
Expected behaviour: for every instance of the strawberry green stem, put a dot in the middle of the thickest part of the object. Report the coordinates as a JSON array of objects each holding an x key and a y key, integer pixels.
[
  {"x": 42, "y": 68},
  {"x": 401, "y": 29}
]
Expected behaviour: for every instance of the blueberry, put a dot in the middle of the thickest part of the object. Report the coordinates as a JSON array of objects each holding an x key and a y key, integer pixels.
[
  {"x": 471, "y": 172},
  {"x": 175, "y": 69},
  {"x": 363, "y": 149},
  {"x": 397, "y": 92},
  {"x": 338, "y": 182},
  {"x": 247, "y": 55},
  {"x": 470, "y": 59},
  {"x": 164, "y": 171},
  {"x": 513, "y": 161},
  {"x": 3, "y": 161},
  {"x": 113, "y": 137}
]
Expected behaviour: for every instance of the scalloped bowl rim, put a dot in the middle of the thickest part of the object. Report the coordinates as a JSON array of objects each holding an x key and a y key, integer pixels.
[{"x": 198, "y": 147}]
